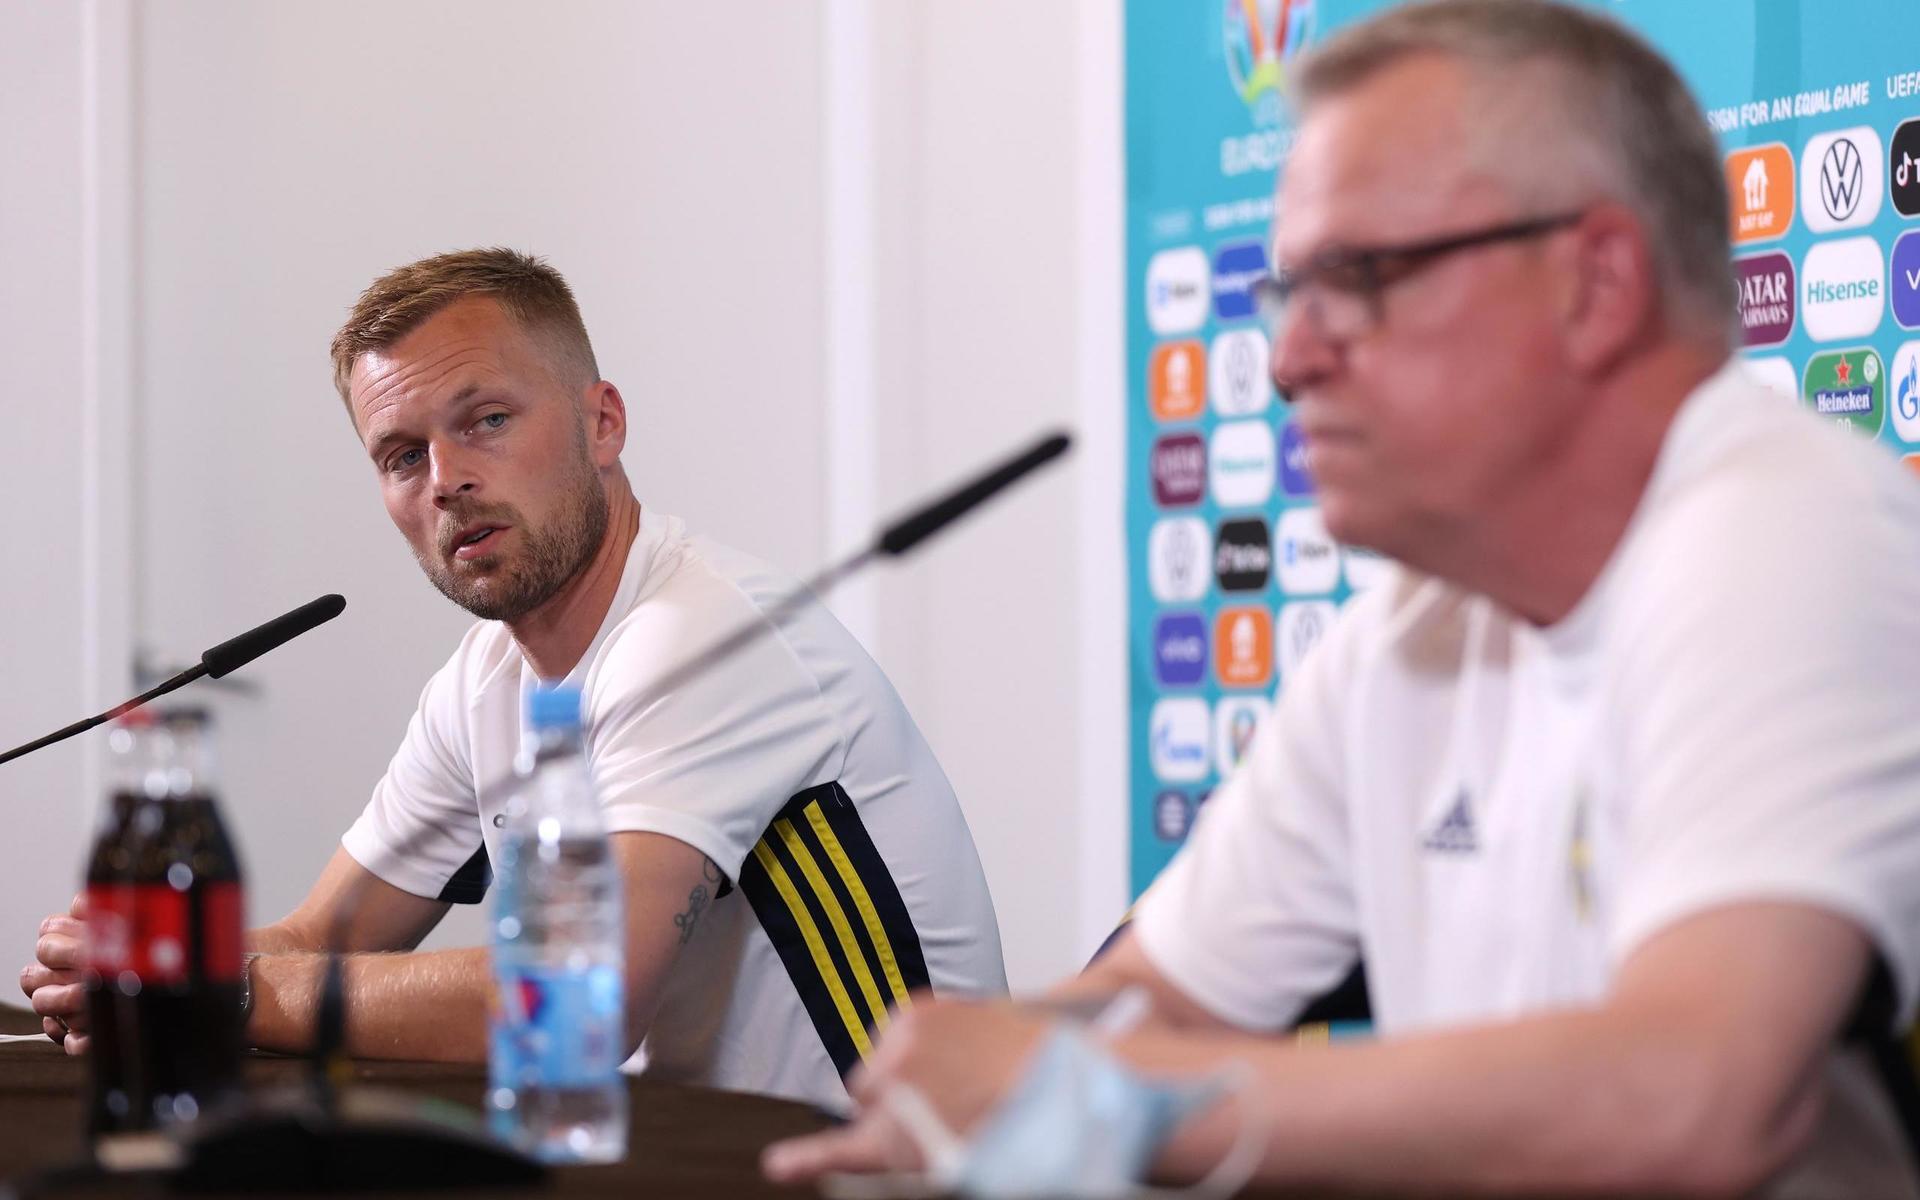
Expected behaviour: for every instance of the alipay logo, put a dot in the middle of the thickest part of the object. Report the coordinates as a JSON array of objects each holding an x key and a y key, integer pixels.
[
  {"x": 1237, "y": 372},
  {"x": 1177, "y": 739},
  {"x": 1180, "y": 649},
  {"x": 1840, "y": 184},
  {"x": 1179, "y": 550},
  {"x": 1240, "y": 463},
  {"x": 1842, "y": 290},
  {"x": 1304, "y": 554},
  {"x": 1177, "y": 290}
]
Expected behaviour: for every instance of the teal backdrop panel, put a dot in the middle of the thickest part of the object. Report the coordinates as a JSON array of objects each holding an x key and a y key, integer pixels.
[{"x": 1231, "y": 576}]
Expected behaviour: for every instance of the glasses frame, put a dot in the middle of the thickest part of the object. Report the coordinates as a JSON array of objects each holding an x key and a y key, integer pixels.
[{"x": 1368, "y": 271}]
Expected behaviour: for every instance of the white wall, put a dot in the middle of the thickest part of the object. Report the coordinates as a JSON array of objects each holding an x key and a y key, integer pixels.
[
  {"x": 44, "y": 803},
  {"x": 689, "y": 170}
]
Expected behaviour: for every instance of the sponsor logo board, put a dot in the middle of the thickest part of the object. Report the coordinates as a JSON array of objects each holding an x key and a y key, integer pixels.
[
  {"x": 1237, "y": 373},
  {"x": 1172, "y": 816},
  {"x": 1236, "y": 267},
  {"x": 1842, "y": 289},
  {"x": 1903, "y": 168},
  {"x": 1177, "y": 735},
  {"x": 1243, "y": 647},
  {"x": 1178, "y": 465},
  {"x": 1298, "y": 628},
  {"x": 1177, "y": 291},
  {"x": 1295, "y": 479},
  {"x": 1840, "y": 185},
  {"x": 1243, "y": 555},
  {"x": 1180, "y": 649},
  {"x": 1760, "y": 188},
  {"x": 1234, "y": 720},
  {"x": 1178, "y": 549},
  {"x": 1904, "y": 283},
  {"x": 1240, "y": 462},
  {"x": 1767, "y": 297},
  {"x": 1849, "y": 386},
  {"x": 1905, "y": 401},
  {"x": 1304, "y": 554},
  {"x": 1177, "y": 381}
]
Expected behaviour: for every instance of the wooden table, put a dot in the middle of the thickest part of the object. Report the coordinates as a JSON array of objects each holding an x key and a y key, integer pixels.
[{"x": 682, "y": 1142}]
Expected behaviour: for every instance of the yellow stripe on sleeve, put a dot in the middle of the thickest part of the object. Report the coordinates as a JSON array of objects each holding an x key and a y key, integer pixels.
[
  {"x": 883, "y": 948},
  {"x": 837, "y": 917},
  {"x": 822, "y": 961}
]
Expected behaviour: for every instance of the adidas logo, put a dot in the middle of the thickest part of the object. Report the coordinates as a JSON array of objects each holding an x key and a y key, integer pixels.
[{"x": 1454, "y": 834}]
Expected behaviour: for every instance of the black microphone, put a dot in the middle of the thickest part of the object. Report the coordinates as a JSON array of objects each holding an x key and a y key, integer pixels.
[
  {"x": 896, "y": 540},
  {"x": 221, "y": 660}
]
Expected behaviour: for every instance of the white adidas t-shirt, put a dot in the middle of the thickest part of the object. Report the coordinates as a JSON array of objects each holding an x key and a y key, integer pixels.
[
  {"x": 866, "y": 883},
  {"x": 1494, "y": 815}
]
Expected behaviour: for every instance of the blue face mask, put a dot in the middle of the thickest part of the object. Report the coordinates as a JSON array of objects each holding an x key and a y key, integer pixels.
[{"x": 1078, "y": 1123}]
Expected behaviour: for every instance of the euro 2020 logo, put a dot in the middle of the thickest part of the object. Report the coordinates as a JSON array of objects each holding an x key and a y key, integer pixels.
[{"x": 1260, "y": 36}]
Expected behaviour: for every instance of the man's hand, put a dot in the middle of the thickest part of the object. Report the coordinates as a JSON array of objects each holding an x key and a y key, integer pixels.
[
  {"x": 961, "y": 1056},
  {"x": 53, "y": 980}
]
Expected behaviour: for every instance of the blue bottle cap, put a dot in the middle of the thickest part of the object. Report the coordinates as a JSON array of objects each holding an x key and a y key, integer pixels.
[{"x": 556, "y": 707}]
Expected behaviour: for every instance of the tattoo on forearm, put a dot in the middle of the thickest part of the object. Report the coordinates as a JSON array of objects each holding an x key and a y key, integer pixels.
[{"x": 697, "y": 900}]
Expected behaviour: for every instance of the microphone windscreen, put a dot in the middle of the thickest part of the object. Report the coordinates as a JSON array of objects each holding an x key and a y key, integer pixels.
[
  {"x": 237, "y": 652},
  {"x": 903, "y": 535}
]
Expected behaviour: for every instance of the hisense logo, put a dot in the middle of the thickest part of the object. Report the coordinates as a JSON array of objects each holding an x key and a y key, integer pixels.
[{"x": 1843, "y": 289}]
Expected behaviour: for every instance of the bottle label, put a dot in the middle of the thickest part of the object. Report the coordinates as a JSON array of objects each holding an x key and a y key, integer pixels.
[
  {"x": 110, "y": 929},
  {"x": 166, "y": 940},
  {"x": 552, "y": 1027}
]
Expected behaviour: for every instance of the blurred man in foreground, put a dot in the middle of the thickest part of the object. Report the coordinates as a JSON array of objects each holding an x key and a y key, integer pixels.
[
  {"x": 770, "y": 793},
  {"x": 1615, "y": 784}
]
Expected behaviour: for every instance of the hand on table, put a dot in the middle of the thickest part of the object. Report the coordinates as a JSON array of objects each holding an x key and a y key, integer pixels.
[
  {"x": 53, "y": 981},
  {"x": 961, "y": 1056}
]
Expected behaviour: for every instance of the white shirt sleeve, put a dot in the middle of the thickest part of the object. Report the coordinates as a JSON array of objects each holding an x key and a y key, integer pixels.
[
  {"x": 1772, "y": 745},
  {"x": 421, "y": 830},
  {"x": 713, "y": 762},
  {"x": 1255, "y": 917}
]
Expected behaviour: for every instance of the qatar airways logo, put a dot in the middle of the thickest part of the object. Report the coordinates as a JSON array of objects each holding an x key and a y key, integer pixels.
[{"x": 1767, "y": 298}]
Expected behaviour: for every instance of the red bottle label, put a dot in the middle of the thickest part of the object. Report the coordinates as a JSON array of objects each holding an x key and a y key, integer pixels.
[
  {"x": 163, "y": 935},
  {"x": 110, "y": 929}
]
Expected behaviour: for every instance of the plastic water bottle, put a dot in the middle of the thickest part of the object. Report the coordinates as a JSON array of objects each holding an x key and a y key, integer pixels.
[{"x": 558, "y": 1030}]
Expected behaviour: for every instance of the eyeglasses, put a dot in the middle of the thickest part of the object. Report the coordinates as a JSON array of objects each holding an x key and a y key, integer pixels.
[{"x": 1339, "y": 289}]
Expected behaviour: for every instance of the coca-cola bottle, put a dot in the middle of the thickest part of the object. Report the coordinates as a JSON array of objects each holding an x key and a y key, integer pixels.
[
  {"x": 188, "y": 931},
  {"x": 117, "y": 1100}
]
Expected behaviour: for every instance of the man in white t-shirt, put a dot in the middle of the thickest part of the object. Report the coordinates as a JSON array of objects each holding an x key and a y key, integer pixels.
[
  {"x": 795, "y": 860},
  {"x": 1614, "y": 785}
]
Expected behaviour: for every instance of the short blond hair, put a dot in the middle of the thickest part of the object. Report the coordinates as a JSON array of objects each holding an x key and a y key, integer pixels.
[
  {"x": 533, "y": 293},
  {"x": 1623, "y": 107}
]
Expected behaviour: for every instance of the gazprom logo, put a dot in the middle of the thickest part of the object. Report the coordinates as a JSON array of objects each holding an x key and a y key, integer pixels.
[{"x": 1177, "y": 736}]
